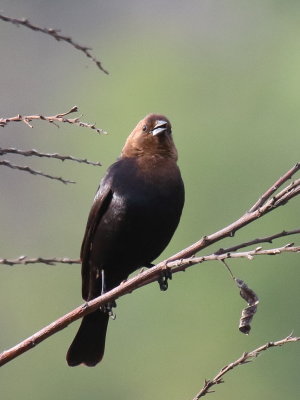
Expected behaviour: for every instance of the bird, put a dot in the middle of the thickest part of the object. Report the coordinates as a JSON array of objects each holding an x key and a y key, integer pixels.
[{"x": 134, "y": 215}]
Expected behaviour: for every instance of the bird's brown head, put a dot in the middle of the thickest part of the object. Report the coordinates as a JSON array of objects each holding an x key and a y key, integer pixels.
[{"x": 151, "y": 137}]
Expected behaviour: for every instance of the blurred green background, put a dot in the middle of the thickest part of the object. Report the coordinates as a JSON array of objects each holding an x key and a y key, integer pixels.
[{"x": 226, "y": 73}]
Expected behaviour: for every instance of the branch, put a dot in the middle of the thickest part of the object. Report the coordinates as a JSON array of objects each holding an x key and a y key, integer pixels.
[
  {"x": 52, "y": 119},
  {"x": 56, "y": 35},
  {"x": 274, "y": 187},
  {"x": 178, "y": 262},
  {"x": 125, "y": 287},
  {"x": 35, "y": 153},
  {"x": 266, "y": 206},
  {"x": 176, "y": 266},
  {"x": 29, "y": 153},
  {"x": 184, "y": 263},
  {"x": 24, "y": 260},
  {"x": 33, "y": 171},
  {"x": 244, "y": 359},
  {"x": 267, "y": 239}
]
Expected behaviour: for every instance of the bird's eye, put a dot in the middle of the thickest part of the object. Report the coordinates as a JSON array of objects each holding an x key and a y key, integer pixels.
[{"x": 144, "y": 128}]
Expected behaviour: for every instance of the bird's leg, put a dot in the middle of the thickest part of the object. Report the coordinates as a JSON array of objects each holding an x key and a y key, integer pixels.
[
  {"x": 165, "y": 275},
  {"x": 103, "y": 286},
  {"x": 109, "y": 306}
]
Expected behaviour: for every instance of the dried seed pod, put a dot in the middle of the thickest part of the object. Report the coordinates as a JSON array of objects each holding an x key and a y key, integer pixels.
[{"x": 248, "y": 312}]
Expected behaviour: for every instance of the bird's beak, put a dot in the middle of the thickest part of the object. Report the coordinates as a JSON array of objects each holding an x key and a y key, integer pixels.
[{"x": 160, "y": 127}]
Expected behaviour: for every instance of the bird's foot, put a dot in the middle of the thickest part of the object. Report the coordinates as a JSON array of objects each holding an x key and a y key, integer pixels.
[
  {"x": 112, "y": 315},
  {"x": 108, "y": 308},
  {"x": 166, "y": 274}
]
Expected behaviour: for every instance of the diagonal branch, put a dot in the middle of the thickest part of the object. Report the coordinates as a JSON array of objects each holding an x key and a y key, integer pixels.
[
  {"x": 176, "y": 263},
  {"x": 124, "y": 288},
  {"x": 275, "y": 186},
  {"x": 244, "y": 359},
  {"x": 51, "y": 119},
  {"x": 55, "y": 33},
  {"x": 35, "y": 153},
  {"x": 33, "y": 171},
  {"x": 266, "y": 206}
]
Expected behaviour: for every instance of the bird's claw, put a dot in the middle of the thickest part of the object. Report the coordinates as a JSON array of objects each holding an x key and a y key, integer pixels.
[
  {"x": 112, "y": 315},
  {"x": 108, "y": 308},
  {"x": 166, "y": 274}
]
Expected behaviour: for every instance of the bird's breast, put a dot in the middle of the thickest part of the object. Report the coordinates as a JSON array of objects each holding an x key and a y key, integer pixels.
[{"x": 143, "y": 214}]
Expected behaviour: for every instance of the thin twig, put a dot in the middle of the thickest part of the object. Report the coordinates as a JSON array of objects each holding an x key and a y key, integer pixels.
[
  {"x": 24, "y": 260},
  {"x": 33, "y": 171},
  {"x": 229, "y": 231},
  {"x": 274, "y": 187},
  {"x": 244, "y": 359},
  {"x": 184, "y": 263},
  {"x": 289, "y": 193},
  {"x": 35, "y": 153},
  {"x": 51, "y": 119},
  {"x": 176, "y": 266},
  {"x": 266, "y": 239},
  {"x": 55, "y": 33}
]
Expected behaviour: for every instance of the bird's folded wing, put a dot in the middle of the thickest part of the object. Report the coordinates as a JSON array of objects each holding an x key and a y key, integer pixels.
[{"x": 99, "y": 207}]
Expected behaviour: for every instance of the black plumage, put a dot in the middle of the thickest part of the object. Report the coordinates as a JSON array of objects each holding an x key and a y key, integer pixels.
[{"x": 133, "y": 217}]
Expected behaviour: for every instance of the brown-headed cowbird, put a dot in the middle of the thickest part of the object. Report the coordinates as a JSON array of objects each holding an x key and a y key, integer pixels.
[{"x": 134, "y": 215}]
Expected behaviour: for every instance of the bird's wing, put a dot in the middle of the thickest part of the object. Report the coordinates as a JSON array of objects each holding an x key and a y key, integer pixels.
[{"x": 101, "y": 203}]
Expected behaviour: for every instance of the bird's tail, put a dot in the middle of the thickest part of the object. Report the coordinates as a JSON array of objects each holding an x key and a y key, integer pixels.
[{"x": 88, "y": 345}]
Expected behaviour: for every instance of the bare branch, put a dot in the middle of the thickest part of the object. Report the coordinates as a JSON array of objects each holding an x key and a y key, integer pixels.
[
  {"x": 33, "y": 152},
  {"x": 274, "y": 187},
  {"x": 126, "y": 287},
  {"x": 32, "y": 171},
  {"x": 24, "y": 260},
  {"x": 244, "y": 359},
  {"x": 176, "y": 263},
  {"x": 266, "y": 239},
  {"x": 181, "y": 265},
  {"x": 286, "y": 194},
  {"x": 51, "y": 119},
  {"x": 55, "y": 33},
  {"x": 176, "y": 266},
  {"x": 269, "y": 205}
]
